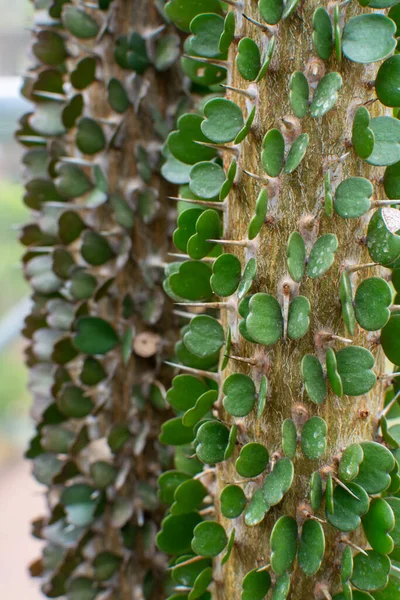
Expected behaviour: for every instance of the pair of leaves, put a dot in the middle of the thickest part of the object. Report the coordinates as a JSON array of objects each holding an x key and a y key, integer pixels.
[
  {"x": 273, "y": 153},
  {"x": 195, "y": 227},
  {"x": 325, "y": 95},
  {"x": 264, "y": 320},
  {"x": 320, "y": 258}
]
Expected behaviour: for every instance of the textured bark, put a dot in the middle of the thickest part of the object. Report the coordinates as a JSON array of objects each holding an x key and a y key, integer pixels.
[
  {"x": 297, "y": 204},
  {"x": 141, "y": 459}
]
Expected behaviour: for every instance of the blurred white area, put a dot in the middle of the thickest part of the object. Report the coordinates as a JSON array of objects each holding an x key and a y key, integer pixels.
[{"x": 20, "y": 501}]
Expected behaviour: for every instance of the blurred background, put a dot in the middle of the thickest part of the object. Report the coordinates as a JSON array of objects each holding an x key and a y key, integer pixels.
[{"x": 20, "y": 495}]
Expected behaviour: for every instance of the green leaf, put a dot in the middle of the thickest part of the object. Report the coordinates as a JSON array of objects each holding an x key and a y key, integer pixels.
[
  {"x": 228, "y": 33},
  {"x": 296, "y": 256},
  {"x": 229, "y": 548},
  {"x": 278, "y": 482},
  {"x": 131, "y": 53},
  {"x": 387, "y": 141},
  {"x": 95, "y": 336},
  {"x": 203, "y": 405},
  {"x": 386, "y": 82},
  {"x": 390, "y": 339},
  {"x": 382, "y": 241},
  {"x": 206, "y": 180},
  {"x": 362, "y": 137},
  {"x": 80, "y": 23},
  {"x": 346, "y": 565},
  {"x": 323, "y": 33},
  {"x": 206, "y": 29},
  {"x": 347, "y": 509},
  {"x": 253, "y": 460},
  {"x": 167, "y": 484},
  {"x": 299, "y": 93},
  {"x": 370, "y": 572},
  {"x": 182, "y": 143},
  {"x": 182, "y": 12},
  {"x": 313, "y": 437},
  {"x": 258, "y": 219},
  {"x": 105, "y": 565},
  {"x": 262, "y": 396},
  {"x": 208, "y": 226},
  {"x": 186, "y": 227},
  {"x": 316, "y": 490},
  {"x": 322, "y": 255},
  {"x": 273, "y": 153},
  {"x": 201, "y": 73},
  {"x": 354, "y": 365},
  {"x": 256, "y": 509},
  {"x": 255, "y": 585},
  {"x": 346, "y": 299},
  {"x": 391, "y": 181},
  {"x": 117, "y": 96},
  {"x": 377, "y": 524},
  {"x": 283, "y": 543},
  {"x": 176, "y": 533},
  {"x": 264, "y": 322},
  {"x": 80, "y": 502},
  {"x": 188, "y": 497},
  {"x": 372, "y": 300},
  {"x": 174, "y": 433},
  {"x": 248, "y": 59},
  {"x": 271, "y": 10},
  {"x": 226, "y": 275},
  {"x": 73, "y": 402},
  {"x": 167, "y": 51},
  {"x": 299, "y": 317},
  {"x": 296, "y": 153},
  {"x": 325, "y": 95},
  {"x": 247, "y": 279},
  {"x": 187, "y": 574},
  {"x": 314, "y": 379},
  {"x": 212, "y": 439},
  {"x": 233, "y": 501},
  {"x": 375, "y": 469},
  {"x": 350, "y": 462},
  {"x": 368, "y": 38},
  {"x": 244, "y": 131},
  {"x": 266, "y": 61},
  {"x": 311, "y": 548},
  {"x": 95, "y": 249},
  {"x": 289, "y": 438},
  {"x": 90, "y": 138},
  {"x": 281, "y": 588},
  {"x": 205, "y": 336},
  {"x": 352, "y": 198},
  {"x": 47, "y": 119},
  {"x": 209, "y": 539},
  {"x": 240, "y": 395},
  {"x": 185, "y": 392},
  {"x": 72, "y": 181},
  {"x": 223, "y": 120},
  {"x": 192, "y": 281}
]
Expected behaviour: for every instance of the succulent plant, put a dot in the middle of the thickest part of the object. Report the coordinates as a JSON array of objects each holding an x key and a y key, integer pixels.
[
  {"x": 290, "y": 166},
  {"x": 100, "y": 324},
  {"x": 283, "y": 144}
]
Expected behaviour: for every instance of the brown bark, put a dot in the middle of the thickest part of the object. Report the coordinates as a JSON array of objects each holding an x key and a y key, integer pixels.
[{"x": 298, "y": 200}]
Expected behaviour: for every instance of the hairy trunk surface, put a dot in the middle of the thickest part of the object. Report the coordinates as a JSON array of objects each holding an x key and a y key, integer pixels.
[
  {"x": 96, "y": 248},
  {"x": 298, "y": 398},
  {"x": 296, "y": 203}
]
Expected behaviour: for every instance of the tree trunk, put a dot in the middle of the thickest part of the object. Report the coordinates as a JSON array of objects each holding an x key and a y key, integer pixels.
[
  {"x": 298, "y": 201},
  {"x": 297, "y": 204},
  {"x": 113, "y": 447}
]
